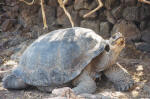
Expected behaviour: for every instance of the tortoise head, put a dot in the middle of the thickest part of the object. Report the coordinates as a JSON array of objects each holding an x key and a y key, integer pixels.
[{"x": 117, "y": 42}]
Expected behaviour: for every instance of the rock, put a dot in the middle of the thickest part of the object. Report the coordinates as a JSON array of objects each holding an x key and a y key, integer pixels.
[
  {"x": 128, "y": 29},
  {"x": 53, "y": 3},
  {"x": 94, "y": 25},
  {"x": 110, "y": 3},
  {"x": 50, "y": 16},
  {"x": 62, "y": 18},
  {"x": 92, "y": 4},
  {"x": 131, "y": 13},
  {"x": 143, "y": 25},
  {"x": 143, "y": 46},
  {"x": 146, "y": 35},
  {"x": 13, "y": 12},
  {"x": 102, "y": 16},
  {"x": 144, "y": 12},
  {"x": 80, "y": 4},
  {"x": 7, "y": 24},
  {"x": 130, "y": 52},
  {"x": 129, "y": 2},
  {"x": 104, "y": 29},
  {"x": 1, "y": 60},
  {"x": 110, "y": 18},
  {"x": 136, "y": 13},
  {"x": 117, "y": 12},
  {"x": 83, "y": 12},
  {"x": 85, "y": 4}
]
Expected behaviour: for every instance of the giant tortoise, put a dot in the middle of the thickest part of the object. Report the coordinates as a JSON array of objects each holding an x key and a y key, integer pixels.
[{"x": 73, "y": 56}]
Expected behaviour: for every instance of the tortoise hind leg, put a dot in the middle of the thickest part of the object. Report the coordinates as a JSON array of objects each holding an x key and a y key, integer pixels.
[
  {"x": 12, "y": 82},
  {"x": 120, "y": 77}
]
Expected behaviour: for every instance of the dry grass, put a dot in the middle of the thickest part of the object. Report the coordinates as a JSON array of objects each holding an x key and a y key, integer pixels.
[
  {"x": 62, "y": 5},
  {"x": 94, "y": 10}
]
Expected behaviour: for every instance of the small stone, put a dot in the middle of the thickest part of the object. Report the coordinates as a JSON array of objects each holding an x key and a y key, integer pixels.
[
  {"x": 143, "y": 46},
  {"x": 146, "y": 35},
  {"x": 90, "y": 24},
  {"x": 131, "y": 13},
  {"x": 104, "y": 29},
  {"x": 128, "y": 29}
]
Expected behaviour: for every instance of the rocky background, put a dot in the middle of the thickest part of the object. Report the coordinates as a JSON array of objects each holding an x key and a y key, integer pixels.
[{"x": 20, "y": 24}]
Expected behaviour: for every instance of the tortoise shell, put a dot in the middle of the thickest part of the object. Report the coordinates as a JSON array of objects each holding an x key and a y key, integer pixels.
[{"x": 58, "y": 57}]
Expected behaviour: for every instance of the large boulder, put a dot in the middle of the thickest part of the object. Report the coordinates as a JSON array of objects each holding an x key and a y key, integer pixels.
[{"x": 128, "y": 29}]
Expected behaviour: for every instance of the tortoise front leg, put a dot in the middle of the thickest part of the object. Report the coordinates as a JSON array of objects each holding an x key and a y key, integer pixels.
[
  {"x": 120, "y": 77},
  {"x": 85, "y": 84}
]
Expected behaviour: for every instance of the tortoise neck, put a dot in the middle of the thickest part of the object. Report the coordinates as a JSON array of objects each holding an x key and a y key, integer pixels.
[{"x": 105, "y": 60}]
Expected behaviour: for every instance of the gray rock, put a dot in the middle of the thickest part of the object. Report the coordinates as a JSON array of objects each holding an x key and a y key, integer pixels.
[
  {"x": 146, "y": 35},
  {"x": 128, "y": 29},
  {"x": 1, "y": 60},
  {"x": 129, "y": 2},
  {"x": 53, "y": 3},
  {"x": 50, "y": 16},
  {"x": 102, "y": 16},
  {"x": 117, "y": 12},
  {"x": 7, "y": 24},
  {"x": 85, "y": 4},
  {"x": 131, "y": 13},
  {"x": 144, "y": 12},
  {"x": 90, "y": 24},
  {"x": 143, "y": 25},
  {"x": 143, "y": 46},
  {"x": 63, "y": 20},
  {"x": 80, "y": 4},
  {"x": 104, "y": 29},
  {"x": 109, "y": 3},
  {"x": 110, "y": 18}
]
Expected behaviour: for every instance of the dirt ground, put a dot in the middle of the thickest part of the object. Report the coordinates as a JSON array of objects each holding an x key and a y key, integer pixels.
[{"x": 138, "y": 66}]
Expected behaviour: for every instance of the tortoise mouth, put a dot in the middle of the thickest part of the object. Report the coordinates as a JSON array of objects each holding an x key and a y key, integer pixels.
[{"x": 120, "y": 41}]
